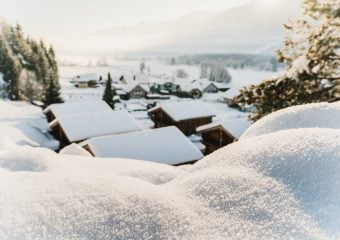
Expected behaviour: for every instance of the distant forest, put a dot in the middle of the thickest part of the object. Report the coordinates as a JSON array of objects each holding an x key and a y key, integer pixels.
[{"x": 237, "y": 61}]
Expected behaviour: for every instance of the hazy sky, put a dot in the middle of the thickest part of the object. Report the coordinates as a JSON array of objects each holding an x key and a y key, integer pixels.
[{"x": 50, "y": 18}]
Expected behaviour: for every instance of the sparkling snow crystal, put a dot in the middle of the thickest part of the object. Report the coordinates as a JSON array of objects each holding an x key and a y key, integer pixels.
[{"x": 280, "y": 181}]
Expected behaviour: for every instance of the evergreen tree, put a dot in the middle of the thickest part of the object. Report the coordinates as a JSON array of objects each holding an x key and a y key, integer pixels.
[
  {"x": 27, "y": 65},
  {"x": 108, "y": 93},
  {"x": 51, "y": 91},
  {"x": 312, "y": 57}
]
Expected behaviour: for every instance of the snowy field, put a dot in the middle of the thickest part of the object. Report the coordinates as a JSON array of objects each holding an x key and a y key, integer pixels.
[{"x": 280, "y": 181}]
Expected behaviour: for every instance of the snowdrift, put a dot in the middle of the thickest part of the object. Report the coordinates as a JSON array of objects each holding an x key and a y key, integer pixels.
[
  {"x": 280, "y": 185},
  {"x": 316, "y": 115}
]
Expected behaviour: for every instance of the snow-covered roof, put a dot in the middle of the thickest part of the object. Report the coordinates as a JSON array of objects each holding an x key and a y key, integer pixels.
[
  {"x": 85, "y": 77},
  {"x": 235, "y": 126},
  {"x": 132, "y": 78},
  {"x": 71, "y": 108},
  {"x": 86, "y": 125},
  {"x": 163, "y": 145},
  {"x": 179, "y": 111}
]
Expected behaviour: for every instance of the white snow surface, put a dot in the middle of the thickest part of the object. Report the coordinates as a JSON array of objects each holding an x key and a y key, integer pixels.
[
  {"x": 179, "y": 111},
  {"x": 316, "y": 115},
  {"x": 83, "y": 126},
  {"x": 72, "y": 108},
  {"x": 163, "y": 145},
  {"x": 235, "y": 126},
  {"x": 280, "y": 185},
  {"x": 74, "y": 149},
  {"x": 23, "y": 124}
]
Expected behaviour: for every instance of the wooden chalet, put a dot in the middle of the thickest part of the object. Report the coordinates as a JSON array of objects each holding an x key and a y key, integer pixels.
[
  {"x": 164, "y": 145},
  {"x": 76, "y": 128},
  {"x": 64, "y": 109},
  {"x": 139, "y": 91},
  {"x": 186, "y": 116},
  {"x": 220, "y": 134}
]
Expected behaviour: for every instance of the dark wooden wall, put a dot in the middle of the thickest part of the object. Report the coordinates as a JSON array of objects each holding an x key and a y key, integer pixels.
[
  {"x": 215, "y": 139},
  {"x": 188, "y": 127}
]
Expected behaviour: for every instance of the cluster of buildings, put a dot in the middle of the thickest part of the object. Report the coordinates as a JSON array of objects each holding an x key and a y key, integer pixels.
[
  {"x": 138, "y": 86},
  {"x": 102, "y": 132}
]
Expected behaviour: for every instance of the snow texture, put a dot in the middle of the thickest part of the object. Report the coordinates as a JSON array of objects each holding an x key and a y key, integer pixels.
[
  {"x": 235, "y": 126},
  {"x": 317, "y": 115},
  {"x": 164, "y": 145},
  {"x": 24, "y": 124},
  {"x": 83, "y": 126},
  {"x": 179, "y": 111},
  {"x": 74, "y": 149},
  {"x": 280, "y": 185},
  {"x": 64, "y": 109}
]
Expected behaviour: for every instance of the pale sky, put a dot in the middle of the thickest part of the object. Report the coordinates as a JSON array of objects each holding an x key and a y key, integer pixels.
[{"x": 50, "y": 18}]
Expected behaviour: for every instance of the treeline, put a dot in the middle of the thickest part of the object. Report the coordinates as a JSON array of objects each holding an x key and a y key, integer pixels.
[
  {"x": 236, "y": 61},
  {"x": 29, "y": 68}
]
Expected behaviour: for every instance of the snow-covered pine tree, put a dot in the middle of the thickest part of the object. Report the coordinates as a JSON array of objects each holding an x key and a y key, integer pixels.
[
  {"x": 26, "y": 63},
  {"x": 311, "y": 54},
  {"x": 108, "y": 93}
]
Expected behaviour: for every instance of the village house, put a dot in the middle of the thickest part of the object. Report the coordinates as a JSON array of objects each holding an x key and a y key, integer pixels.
[
  {"x": 220, "y": 134},
  {"x": 139, "y": 91},
  {"x": 76, "y": 128},
  {"x": 186, "y": 116},
  {"x": 165, "y": 145},
  {"x": 85, "y": 80},
  {"x": 210, "y": 87},
  {"x": 71, "y": 108}
]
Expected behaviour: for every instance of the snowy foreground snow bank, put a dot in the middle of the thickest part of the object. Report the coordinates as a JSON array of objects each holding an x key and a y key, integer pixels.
[{"x": 279, "y": 185}]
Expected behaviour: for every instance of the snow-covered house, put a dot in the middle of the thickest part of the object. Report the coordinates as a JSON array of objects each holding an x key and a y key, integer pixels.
[
  {"x": 186, "y": 116},
  {"x": 139, "y": 91},
  {"x": 85, "y": 80},
  {"x": 219, "y": 134},
  {"x": 75, "y": 128},
  {"x": 165, "y": 145},
  {"x": 210, "y": 87},
  {"x": 71, "y": 108}
]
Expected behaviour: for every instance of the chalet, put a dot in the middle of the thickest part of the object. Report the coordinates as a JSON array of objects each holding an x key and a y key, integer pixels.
[
  {"x": 63, "y": 109},
  {"x": 210, "y": 87},
  {"x": 186, "y": 116},
  {"x": 85, "y": 80},
  {"x": 220, "y": 134},
  {"x": 165, "y": 145},
  {"x": 76, "y": 128},
  {"x": 139, "y": 91}
]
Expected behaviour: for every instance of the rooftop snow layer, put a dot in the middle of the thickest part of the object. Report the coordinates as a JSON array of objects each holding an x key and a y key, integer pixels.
[
  {"x": 71, "y": 108},
  {"x": 164, "y": 145},
  {"x": 317, "y": 115},
  {"x": 24, "y": 124},
  {"x": 179, "y": 111},
  {"x": 235, "y": 126},
  {"x": 83, "y": 126},
  {"x": 86, "y": 77}
]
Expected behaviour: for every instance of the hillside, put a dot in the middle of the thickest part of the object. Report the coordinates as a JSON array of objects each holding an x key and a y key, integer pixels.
[{"x": 254, "y": 27}]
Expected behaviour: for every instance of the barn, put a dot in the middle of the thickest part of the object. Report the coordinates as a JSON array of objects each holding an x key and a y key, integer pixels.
[
  {"x": 63, "y": 109},
  {"x": 164, "y": 145},
  {"x": 220, "y": 134},
  {"x": 76, "y": 128},
  {"x": 186, "y": 116}
]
